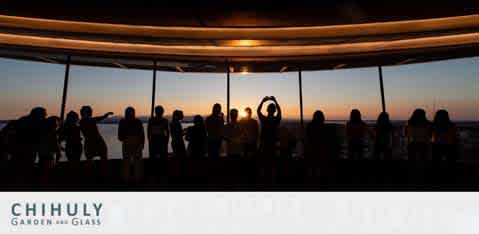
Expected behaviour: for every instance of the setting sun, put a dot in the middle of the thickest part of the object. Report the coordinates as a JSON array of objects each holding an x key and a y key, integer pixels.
[{"x": 242, "y": 113}]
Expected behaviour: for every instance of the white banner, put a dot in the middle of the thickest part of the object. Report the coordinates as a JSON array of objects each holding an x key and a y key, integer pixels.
[{"x": 224, "y": 213}]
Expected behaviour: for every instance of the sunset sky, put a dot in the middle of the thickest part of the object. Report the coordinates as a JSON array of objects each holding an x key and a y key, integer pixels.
[{"x": 451, "y": 84}]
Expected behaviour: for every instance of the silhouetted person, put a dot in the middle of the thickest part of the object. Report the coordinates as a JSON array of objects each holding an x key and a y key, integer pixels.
[
  {"x": 418, "y": 132},
  {"x": 71, "y": 134},
  {"x": 30, "y": 130},
  {"x": 249, "y": 133},
  {"x": 94, "y": 143},
  {"x": 49, "y": 149},
  {"x": 177, "y": 143},
  {"x": 8, "y": 138},
  {"x": 356, "y": 130},
  {"x": 444, "y": 137},
  {"x": 232, "y": 135},
  {"x": 132, "y": 135},
  {"x": 197, "y": 137},
  {"x": 269, "y": 126},
  {"x": 215, "y": 127},
  {"x": 3, "y": 147},
  {"x": 321, "y": 141},
  {"x": 383, "y": 133},
  {"x": 158, "y": 134}
]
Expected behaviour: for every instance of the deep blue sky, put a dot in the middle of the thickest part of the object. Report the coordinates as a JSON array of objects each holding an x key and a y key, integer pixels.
[{"x": 451, "y": 84}]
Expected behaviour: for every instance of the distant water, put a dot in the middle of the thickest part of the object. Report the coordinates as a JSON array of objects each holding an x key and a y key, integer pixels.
[
  {"x": 469, "y": 136},
  {"x": 110, "y": 134},
  {"x": 110, "y": 131}
]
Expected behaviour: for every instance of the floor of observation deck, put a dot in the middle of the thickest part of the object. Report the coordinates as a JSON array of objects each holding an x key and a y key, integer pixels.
[{"x": 226, "y": 174}]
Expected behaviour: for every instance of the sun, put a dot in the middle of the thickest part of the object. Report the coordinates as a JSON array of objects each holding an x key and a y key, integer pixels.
[{"x": 243, "y": 114}]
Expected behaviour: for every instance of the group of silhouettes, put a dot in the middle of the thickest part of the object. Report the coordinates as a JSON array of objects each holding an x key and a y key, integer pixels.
[
  {"x": 205, "y": 137},
  {"x": 438, "y": 139},
  {"x": 38, "y": 136}
]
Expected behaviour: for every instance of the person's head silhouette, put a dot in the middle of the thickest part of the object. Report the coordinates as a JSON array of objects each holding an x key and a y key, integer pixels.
[
  {"x": 318, "y": 117},
  {"x": 159, "y": 111},
  {"x": 248, "y": 112},
  {"x": 53, "y": 122},
  {"x": 216, "y": 109},
  {"x": 198, "y": 120},
  {"x": 418, "y": 117},
  {"x": 38, "y": 113},
  {"x": 355, "y": 116},
  {"x": 441, "y": 118},
  {"x": 234, "y": 115},
  {"x": 177, "y": 115},
  {"x": 86, "y": 112},
  {"x": 383, "y": 119},
  {"x": 130, "y": 113},
  {"x": 72, "y": 118},
  {"x": 271, "y": 109}
]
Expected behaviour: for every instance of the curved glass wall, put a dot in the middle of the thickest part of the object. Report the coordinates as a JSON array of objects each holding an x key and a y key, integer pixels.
[{"x": 450, "y": 85}]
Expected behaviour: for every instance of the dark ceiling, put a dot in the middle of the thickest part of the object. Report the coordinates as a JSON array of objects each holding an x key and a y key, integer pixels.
[{"x": 243, "y": 13}]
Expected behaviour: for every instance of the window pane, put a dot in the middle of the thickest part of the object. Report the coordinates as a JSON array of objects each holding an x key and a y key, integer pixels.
[
  {"x": 451, "y": 85},
  {"x": 247, "y": 90},
  {"x": 337, "y": 92},
  {"x": 193, "y": 93},
  {"x": 26, "y": 84},
  {"x": 110, "y": 89}
]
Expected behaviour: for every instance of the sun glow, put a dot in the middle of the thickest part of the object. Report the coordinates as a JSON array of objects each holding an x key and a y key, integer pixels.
[{"x": 243, "y": 113}]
